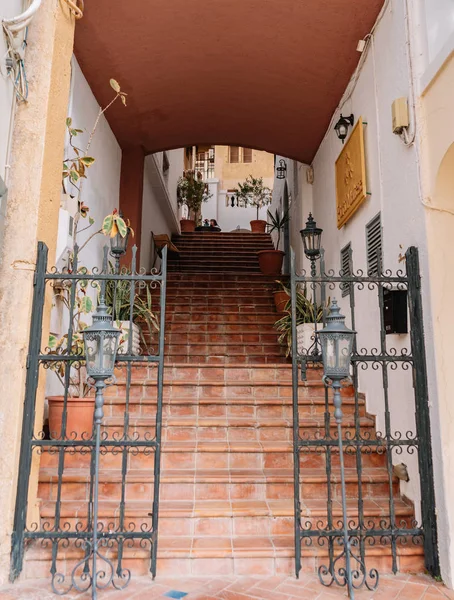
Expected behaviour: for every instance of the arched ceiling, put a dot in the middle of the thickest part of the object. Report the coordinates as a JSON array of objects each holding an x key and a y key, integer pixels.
[{"x": 267, "y": 74}]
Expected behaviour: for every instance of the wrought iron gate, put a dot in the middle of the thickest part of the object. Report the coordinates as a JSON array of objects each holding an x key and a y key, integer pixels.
[
  {"x": 132, "y": 295},
  {"x": 391, "y": 376}
]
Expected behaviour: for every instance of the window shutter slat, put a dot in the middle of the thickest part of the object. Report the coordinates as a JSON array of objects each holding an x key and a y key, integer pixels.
[{"x": 374, "y": 250}]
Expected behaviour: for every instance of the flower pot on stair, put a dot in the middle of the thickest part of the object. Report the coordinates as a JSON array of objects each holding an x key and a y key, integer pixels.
[
  {"x": 258, "y": 226},
  {"x": 79, "y": 416},
  {"x": 123, "y": 347},
  {"x": 270, "y": 261},
  {"x": 187, "y": 225},
  {"x": 280, "y": 300}
]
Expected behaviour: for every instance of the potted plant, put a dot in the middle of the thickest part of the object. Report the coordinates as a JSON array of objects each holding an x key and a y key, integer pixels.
[
  {"x": 281, "y": 297},
  {"x": 252, "y": 192},
  {"x": 270, "y": 261},
  {"x": 306, "y": 316},
  {"x": 118, "y": 300},
  {"x": 192, "y": 192}
]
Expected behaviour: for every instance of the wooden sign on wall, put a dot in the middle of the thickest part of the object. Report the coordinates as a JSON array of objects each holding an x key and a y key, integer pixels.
[{"x": 351, "y": 176}]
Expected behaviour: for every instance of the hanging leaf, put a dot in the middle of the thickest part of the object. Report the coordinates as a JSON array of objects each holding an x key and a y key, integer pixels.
[
  {"x": 115, "y": 85},
  {"x": 123, "y": 99},
  {"x": 121, "y": 226},
  {"x": 87, "y": 160},
  {"x": 114, "y": 230},
  {"x": 107, "y": 224},
  {"x": 91, "y": 220},
  {"x": 86, "y": 304},
  {"x": 68, "y": 121},
  {"x": 74, "y": 175},
  {"x": 52, "y": 341}
]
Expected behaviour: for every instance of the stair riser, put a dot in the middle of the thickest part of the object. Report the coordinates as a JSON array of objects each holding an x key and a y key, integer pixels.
[
  {"x": 280, "y": 376},
  {"x": 217, "y": 338},
  {"x": 233, "y": 302},
  {"x": 212, "y": 491},
  {"x": 231, "y": 434},
  {"x": 225, "y": 317},
  {"x": 227, "y": 566},
  {"x": 215, "y": 460},
  {"x": 206, "y": 329}
]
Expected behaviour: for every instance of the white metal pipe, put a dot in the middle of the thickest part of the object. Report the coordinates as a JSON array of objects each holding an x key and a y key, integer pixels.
[{"x": 15, "y": 24}]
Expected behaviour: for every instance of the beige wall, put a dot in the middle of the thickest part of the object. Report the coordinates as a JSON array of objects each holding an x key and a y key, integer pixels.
[
  {"x": 438, "y": 197},
  {"x": 229, "y": 174},
  {"x": 31, "y": 215}
]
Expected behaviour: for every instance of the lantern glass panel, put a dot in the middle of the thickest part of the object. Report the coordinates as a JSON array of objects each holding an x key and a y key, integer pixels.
[
  {"x": 101, "y": 350},
  {"x": 118, "y": 244},
  {"x": 337, "y": 351}
]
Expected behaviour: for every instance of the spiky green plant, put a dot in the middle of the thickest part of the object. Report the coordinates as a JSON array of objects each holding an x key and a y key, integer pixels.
[{"x": 277, "y": 222}]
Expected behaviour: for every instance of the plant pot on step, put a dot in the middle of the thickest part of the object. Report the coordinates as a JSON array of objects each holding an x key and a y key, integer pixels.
[
  {"x": 187, "y": 225},
  {"x": 79, "y": 416},
  {"x": 270, "y": 261},
  {"x": 258, "y": 226},
  {"x": 280, "y": 299},
  {"x": 305, "y": 337},
  {"x": 123, "y": 347}
]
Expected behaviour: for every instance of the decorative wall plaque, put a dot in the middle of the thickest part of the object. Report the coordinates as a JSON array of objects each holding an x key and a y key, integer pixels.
[{"x": 351, "y": 175}]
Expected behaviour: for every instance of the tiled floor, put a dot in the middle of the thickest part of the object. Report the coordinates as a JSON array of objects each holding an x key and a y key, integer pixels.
[{"x": 400, "y": 587}]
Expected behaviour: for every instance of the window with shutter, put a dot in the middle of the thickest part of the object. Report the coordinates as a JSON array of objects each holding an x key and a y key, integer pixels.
[
  {"x": 247, "y": 155},
  {"x": 234, "y": 154},
  {"x": 374, "y": 246},
  {"x": 346, "y": 268}
]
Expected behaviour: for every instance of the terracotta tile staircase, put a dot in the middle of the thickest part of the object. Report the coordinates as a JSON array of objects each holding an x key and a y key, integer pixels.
[{"x": 226, "y": 502}]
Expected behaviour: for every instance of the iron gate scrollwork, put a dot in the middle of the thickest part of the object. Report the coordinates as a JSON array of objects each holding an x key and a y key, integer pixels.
[
  {"x": 65, "y": 526},
  {"x": 394, "y": 379}
]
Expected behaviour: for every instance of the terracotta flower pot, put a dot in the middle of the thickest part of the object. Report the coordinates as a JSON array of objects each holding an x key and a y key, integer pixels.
[
  {"x": 280, "y": 299},
  {"x": 258, "y": 226},
  {"x": 187, "y": 225},
  {"x": 79, "y": 416},
  {"x": 270, "y": 261}
]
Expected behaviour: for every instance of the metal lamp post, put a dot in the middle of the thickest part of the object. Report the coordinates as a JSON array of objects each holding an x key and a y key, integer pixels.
[
  {"x": 101, "y": 345},
  {"x": 337, "y": 347}
]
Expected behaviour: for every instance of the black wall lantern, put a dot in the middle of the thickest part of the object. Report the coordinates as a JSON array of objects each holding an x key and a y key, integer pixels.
[
  {"x": 281, "y": 170},
  {"x": 341, "y": 127}
]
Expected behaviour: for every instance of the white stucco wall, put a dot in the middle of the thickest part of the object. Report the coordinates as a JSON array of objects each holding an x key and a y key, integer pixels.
[
  {"x": 394, "y": 184},
  {"x": 159, "y": 209},
  {"x": 8, "y": 9},
  {"x": 440, "y": 24}
]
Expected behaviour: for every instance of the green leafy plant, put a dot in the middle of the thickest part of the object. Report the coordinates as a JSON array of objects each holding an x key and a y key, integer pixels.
[
  {"x": 252, "y": 192},
  {"x": 75, "y": 166},
  {"x": 305, "y": 313},
  {"x": 192, "y": 192},
  {"x": 118, "y": 299},
  {"x": 277, "y": 222},
  {"x": 83, "y": 306}
]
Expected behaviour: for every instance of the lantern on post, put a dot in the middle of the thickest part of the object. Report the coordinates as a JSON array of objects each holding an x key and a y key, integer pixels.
[
  {"x": 336, "y": 340},
  {"x": 101, "y": 345},
  {"x": 119, "y": 245},
  {"x": 312, "y": 240}
]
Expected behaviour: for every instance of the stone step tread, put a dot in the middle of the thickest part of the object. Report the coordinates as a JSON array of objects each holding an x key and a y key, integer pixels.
[
  {"x": 313, "y": 508},
  {"x": 309, "y": 475}
]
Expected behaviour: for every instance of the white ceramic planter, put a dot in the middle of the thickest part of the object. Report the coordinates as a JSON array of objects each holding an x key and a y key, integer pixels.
[
  {"x": 124, "y": 337},
  {"x": 305, "y": 337}
]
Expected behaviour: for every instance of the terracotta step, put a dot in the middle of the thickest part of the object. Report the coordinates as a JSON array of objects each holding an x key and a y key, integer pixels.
[
  {"x": 199, "y": 302},
  {"x": 241, "y": 555},
  {"x": 193, "y": 428},
  {"x": 236, "y": 318},
  {"x": 241, "y": 484},
  {"x": 227, "y": 294},
  {"x": 219, "y": 278},
  {"x": 201, "y": 311},
  {"x": 177, "y": 335},
  {"x": 229, "y": 329}
]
